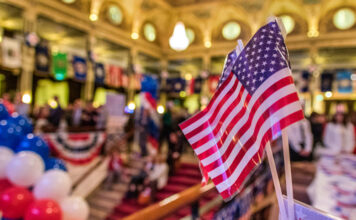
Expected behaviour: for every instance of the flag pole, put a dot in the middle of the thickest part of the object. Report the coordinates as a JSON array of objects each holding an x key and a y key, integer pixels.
[
  {"x": 271, "y": 162},
  {"x": 287, "y": 164},
  {"x": 277, "y": 185}
]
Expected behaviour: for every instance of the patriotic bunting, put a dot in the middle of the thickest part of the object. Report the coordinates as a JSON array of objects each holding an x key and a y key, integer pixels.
[
  {"x": 77, "y": 148},
  {"x": 255, "y": 102},
  {"x": 11, "y": 53},
  {"x": 80, "y": 68}
]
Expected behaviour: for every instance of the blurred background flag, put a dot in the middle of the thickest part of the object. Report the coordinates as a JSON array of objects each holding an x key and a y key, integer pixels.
[
  {"x": 344, "y": 82},
  {"x": 59, "y": 65},
  {"x": 80, "y": 68},
  {"x": 327, "y": 80},
  {"x": 99, "y": 71},
  {"x": 11, "y": 53},
  {"x": 42, "y": 58}
]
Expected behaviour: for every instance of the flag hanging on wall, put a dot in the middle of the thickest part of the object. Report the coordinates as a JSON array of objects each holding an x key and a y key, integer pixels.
[
  {"x": 302, "y": 81},
  {"x": 80, "y": 68},
  {"x": 59, "y": 65},
  {"x": 175, "y": 85},
  {"x": 113, "y": 77},
  {"x": 344, "y": 83},
  {"x": 327, "y": 80},
  {"x": 99, "y": 71},
  {"x": 255, "y": 102},
  {"x": 42, "y": 58},
  {"x": 11, "y": 52}
]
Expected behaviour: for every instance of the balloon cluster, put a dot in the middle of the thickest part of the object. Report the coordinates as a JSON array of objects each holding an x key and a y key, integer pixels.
[{"x": 33, "y": 185}]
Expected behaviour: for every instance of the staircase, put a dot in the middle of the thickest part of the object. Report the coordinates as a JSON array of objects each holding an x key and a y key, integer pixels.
[
  {"x": 103, "y": 201},
  {"x": 186, "y": 176}
]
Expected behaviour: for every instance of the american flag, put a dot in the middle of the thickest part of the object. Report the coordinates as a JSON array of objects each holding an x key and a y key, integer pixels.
[{"x": 251, "y": 107}]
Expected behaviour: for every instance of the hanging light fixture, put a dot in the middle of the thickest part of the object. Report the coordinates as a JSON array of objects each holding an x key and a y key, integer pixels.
[{"x": 179, "y": 40}]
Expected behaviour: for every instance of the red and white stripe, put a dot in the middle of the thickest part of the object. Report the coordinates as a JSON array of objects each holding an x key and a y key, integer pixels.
[{"x": 229, "y": 136}]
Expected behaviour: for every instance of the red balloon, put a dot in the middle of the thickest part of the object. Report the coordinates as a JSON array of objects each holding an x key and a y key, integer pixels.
[
  {"x": 44, "y": 209},
  {"x": 14, "y": 202},
  {"x": 4, "y": 184}
]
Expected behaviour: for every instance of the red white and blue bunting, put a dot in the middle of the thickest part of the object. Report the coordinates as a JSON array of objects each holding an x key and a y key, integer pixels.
[{"x": 77, "y": 148}]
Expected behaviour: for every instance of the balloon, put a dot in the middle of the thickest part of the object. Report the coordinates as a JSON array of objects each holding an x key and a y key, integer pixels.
[
  {"x": 55, "y": 163},
  {"x": 6, "y": 155},
  {"x": 15, "y": 201},
  {"x": 54, "y": 184},
  {"x": 3, "y": 112},
  {"x": 23, "y": 122},
  {"x": 25, "y": 169},
  {"x": 4, "y": 184},
  {"x": 35, "y": 144},
  {"x": 43, "y": 210},
  {"x": 74, "y": 208},
  {"x": 10, "y": 134}
]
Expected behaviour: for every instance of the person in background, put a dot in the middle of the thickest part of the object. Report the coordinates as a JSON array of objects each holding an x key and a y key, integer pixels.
[
  {"x": 300, "y": 141},
  {"x": 89, "y": 115},
  {"x": 353, "y": 121},
  {"x": 317, "y": 128},
  {"x": 77, "y": 113},
  {"x": 158, "y": 176},
  {"x": 114, "y": 169},
  {"x": 55, "y": 113},
  {"x": 6, "y": 100},
  {"x": 41, "y": 121},
  {"x": 339, "y": 136},
  {"x": 21, "y": 108},
  {"x": 101, "y": 118},
  {"x": 166, "y": 125}
]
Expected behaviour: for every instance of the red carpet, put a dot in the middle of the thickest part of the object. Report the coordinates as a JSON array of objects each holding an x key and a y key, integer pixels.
[{"x": 186, "y": 176}]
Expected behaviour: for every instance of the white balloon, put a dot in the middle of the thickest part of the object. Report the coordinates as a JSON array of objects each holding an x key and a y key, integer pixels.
[
  {"x": 25, "y": 168},
  {"x": 74, "y": 208},
  {"x": 6, "y": 154},
  {"x": 54, "y": 184}
]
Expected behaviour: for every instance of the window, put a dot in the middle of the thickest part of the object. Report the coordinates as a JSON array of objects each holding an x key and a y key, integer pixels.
[
  {"x": 68, "y": 1},
  {"x": 344, "y": 19},
  {"x": 149, "y": 31},
  {"x": 115, "y": 14},
  {"x": 231, "y": 30}
]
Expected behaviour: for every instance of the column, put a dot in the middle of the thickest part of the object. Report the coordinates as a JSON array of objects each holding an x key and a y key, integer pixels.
[{"x": 89, "y": 83}]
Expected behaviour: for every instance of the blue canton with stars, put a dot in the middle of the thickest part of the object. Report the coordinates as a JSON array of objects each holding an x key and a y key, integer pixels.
[{"x": 264, "y": 55}]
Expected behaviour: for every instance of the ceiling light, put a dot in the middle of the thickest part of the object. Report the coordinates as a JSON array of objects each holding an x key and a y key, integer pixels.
[
  {"x": 160, "y": 109},
  {"x": 93, "y": 17},
  {"x": 179, "y": 40},
  {"x": 134, "y": 35},
  {"x": 207, "y": 44}
]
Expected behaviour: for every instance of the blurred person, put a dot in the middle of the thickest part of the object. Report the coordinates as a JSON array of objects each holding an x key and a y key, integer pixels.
[
  {"x": 300, "y": 141},
  {"x": 6, "y": 100},
  {"x": 101, "y": 117},
  {"x": 353, "y": 121},
  {"x": 317, "y": 125},
  {"x": 158, "y": 176},
  {"x": 137, "y": 183},
  {"x": 115, "y": 169},
  {"x": 77, "y": 112},
  {"x": 339, "y": 136},
  {"x": 21, "y": 107},
  {"x": 166, "y": 125},
  {"x": 41, "y": 121},
  {"x": 142, "y": 124},
  {"x": 55, "y": 113},
  {"x": 89, "y": 115}
]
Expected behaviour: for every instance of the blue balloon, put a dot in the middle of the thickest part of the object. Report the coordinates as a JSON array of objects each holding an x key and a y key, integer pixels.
[
  {"x": 23, "y": 122},
  {"x": 35, "y": 144},
  {"x": 10, "y": 134},
  {"x": 3, "y": 112},
  {"x": 55, "y": 163}
]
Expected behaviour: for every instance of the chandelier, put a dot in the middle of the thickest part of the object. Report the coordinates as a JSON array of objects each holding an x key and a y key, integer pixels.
[{"x": 179, "y": 40}]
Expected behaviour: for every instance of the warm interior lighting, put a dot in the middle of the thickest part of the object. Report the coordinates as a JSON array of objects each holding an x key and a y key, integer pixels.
[
  {"x": 328, "y": 94},
  {"x": 134, "y": 35},
  {"x": 182, "y": 94},
  {"x": 288, "y": 23},
  {"x": 179, "y": 40},
  {"x": 207, "y": 44},
  {"x": 26, "y": 98},
  {"x": 52, "y": 103},
  {"x": 160, "y": 109},
  {"x": 344, "y": 18},
  {"x": 131, "y": 106},
  {"x": 93, "y": 17},
  {"x": 188, "y": 76}
]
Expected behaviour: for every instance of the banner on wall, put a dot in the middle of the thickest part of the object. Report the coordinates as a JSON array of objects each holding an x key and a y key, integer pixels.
[
  {"x": 11, "y": 53},
  {"x": 59, "y": 65},
  {"x": 114, "y": 75},
  {"x": 42, "y": 58},
  {"x": 137, "y": 81},
  {"x": 327, "y": 80},
  {"x": 80, "y": 68},
  {"x": 344, "y": 82},
  {"x": 99, "y": 71},
  {"x": 304, "y": 81},
  {"x": 175, "y": 85}
]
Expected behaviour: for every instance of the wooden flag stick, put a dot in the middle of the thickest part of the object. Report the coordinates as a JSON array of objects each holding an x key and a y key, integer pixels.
[
  {"x": 277, "y": 185},
  {"x": 287, "y": 168}
]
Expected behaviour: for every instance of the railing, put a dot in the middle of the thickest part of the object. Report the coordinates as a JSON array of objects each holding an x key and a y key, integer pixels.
[{"x": 173, "y": 203}]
